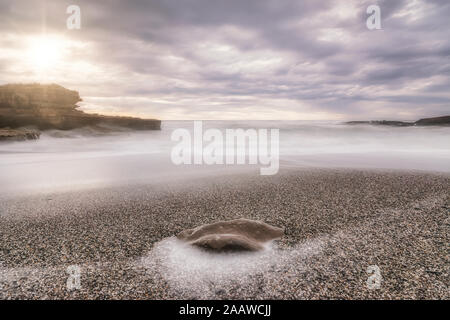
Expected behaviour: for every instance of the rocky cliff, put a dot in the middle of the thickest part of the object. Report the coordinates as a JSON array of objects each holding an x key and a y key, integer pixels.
[{"x": 54, "y": 107}]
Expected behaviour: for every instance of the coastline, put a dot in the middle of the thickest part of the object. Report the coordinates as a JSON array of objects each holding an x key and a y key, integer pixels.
[{"x": 338, "y": 222}]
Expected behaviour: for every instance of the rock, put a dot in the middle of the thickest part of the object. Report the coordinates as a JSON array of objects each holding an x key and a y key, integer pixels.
[
  {"x": 54, "y": 107},
  {"x": 234, "y": 235},
  {"x": 383, "y": 123},
  {"x": 18, "y": 134},
  {"x": 437, "y": 121}
]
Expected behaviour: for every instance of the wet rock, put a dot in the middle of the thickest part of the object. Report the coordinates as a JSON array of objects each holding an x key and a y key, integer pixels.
[
  {"x": 18, "y": 134},
  {"x": 234, "y": 235}
]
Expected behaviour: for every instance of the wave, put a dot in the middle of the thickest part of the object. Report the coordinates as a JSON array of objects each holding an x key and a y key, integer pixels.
[{"x": 80, "y": 156}]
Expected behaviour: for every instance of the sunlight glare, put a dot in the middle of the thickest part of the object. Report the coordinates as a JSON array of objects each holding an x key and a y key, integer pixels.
[{"x": 45, "y": 52}]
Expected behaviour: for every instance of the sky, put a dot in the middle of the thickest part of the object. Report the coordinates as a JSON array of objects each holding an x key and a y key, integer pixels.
[{"x": 236, "y": 59}]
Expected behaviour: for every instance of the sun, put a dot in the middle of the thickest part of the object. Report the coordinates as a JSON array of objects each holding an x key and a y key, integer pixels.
[
  {"x": 55, "y": 57},
  {"x": 46, "y": 52}
]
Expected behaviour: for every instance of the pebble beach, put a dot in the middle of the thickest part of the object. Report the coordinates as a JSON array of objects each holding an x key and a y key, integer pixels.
[{"x": 337, "y": 223}]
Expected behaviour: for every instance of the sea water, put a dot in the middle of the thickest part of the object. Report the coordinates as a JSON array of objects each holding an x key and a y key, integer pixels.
[{"x": 62, "y": 160}]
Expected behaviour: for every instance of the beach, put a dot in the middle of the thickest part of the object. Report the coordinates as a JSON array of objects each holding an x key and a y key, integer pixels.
[
  {"x": 337, "y": 223},
  {"x": 188, "y": 151}
]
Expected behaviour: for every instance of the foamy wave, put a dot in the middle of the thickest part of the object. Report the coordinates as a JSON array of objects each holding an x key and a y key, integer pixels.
[{"x": 203, "y": 274}]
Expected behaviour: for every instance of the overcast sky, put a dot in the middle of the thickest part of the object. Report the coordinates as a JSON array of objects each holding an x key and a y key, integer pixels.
[{"x": 236, "y": 59}]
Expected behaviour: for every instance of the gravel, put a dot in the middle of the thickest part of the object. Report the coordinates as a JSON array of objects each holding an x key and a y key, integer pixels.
[{"x": 337, "y": 224}]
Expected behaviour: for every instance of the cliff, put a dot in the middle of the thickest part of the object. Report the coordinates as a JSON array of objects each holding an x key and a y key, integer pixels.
[{"x": 54, "y": 107}]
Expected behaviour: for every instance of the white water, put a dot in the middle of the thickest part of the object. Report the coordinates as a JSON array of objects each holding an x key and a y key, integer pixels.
[
  {"x": 79, "y": 159},
  {"x": 201, "y": 274}
]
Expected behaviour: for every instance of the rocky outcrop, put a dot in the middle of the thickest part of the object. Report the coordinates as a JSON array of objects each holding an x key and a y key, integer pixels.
[
  {"x": 438, "y": 121},
  {"x": 18, "y": 134},
  {"x": 55, "y": 107},
  {"x": 383, "y": 123},
  {"x": 234, "y": 235}
]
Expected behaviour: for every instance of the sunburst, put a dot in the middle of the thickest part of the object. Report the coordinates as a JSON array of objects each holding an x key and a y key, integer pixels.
[{"x": 45, "y": 52}]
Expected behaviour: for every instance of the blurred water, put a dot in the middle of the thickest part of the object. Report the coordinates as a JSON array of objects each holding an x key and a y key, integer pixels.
[
  {"x": 83, "y": 157},
  {"x": 202, "y": 275}
]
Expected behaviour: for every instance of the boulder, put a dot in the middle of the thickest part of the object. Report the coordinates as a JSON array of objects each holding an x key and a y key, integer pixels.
[{"x": 234, "y": 235}]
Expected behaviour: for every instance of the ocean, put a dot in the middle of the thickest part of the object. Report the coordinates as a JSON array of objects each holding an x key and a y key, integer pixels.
[{"x": 67, "y": 160}]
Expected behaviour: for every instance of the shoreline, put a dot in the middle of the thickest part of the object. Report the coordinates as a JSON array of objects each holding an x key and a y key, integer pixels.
[{"x": 338, "y": 222}]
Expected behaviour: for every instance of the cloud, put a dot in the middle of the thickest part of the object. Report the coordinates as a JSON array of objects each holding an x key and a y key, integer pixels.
[{"x": 242, "y": 59}]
